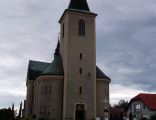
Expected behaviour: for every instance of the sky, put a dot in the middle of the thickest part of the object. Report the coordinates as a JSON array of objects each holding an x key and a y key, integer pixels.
[{"x": 125, "y": 41}]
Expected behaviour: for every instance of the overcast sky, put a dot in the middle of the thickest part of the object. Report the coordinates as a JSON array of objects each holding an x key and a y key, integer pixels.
[{"x": 126, "y": 43}]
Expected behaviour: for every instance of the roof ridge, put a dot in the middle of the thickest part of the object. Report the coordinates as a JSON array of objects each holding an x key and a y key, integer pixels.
[
  {"x": 37, "y": 61},
  {"x": 147, "y": 98},
  {"x": 100, "y": 74},
  {"x": 55, "y": 67}
]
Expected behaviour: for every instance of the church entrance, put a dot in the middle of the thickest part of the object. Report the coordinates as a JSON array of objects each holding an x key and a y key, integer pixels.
[{"x": 80, "y": 112}]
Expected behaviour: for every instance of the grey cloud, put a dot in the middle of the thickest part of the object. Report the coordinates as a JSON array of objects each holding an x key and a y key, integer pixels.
[
  {"x": 125, "y": 40},
  {"x": 128, "y": 48}
]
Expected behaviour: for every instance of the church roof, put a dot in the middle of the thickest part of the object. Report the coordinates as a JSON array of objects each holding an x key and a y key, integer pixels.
[
  {"x": 78, "y": 5},
  {"x": 37, "y": 69},
  {"x": 100, "y": 74},
  {"x": 55, "y": 68},
  {"x": 57, "y": 50}
]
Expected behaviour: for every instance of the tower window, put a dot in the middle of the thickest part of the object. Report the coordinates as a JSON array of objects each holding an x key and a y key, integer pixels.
[
  {"x": 80, "y": 90},
  {"x": 80, "y": 70},
  {"x": 63, "y": 30},
  {"x": 81, "y": 27},
  {"x": 80, "y": 56}
]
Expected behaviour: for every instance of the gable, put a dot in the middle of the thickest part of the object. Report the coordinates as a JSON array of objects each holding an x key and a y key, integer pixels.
[
  {"x": 100, "y": 74},
  {"x": 148, "y": 99}
]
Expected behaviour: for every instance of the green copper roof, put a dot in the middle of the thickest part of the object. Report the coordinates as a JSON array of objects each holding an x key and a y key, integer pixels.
[
  {"x": 100, "y": 74},
  {"x": 78, "y": 5},
  {"x": 35, "y": 69},
  {"x": 55, "y": 68}
]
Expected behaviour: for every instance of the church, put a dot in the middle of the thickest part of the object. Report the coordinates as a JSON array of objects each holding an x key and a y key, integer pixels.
[{"x": 71, "y": 87}]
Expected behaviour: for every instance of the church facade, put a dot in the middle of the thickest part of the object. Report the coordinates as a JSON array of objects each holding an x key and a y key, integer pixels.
[{"x": 71, "y": 86}]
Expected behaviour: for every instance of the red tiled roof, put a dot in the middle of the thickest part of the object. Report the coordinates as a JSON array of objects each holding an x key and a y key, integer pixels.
[{"x": 148, "y": 99}]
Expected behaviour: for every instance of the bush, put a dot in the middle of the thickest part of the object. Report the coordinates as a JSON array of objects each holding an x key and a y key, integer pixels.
[
  {"x": 153, "y": 117},
  {"x": 143, "y": 118},
  {"x": 7, "y": 114}
]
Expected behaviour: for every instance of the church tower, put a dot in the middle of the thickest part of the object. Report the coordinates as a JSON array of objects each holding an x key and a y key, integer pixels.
[
  {"x": 71, "y": 86},
  {"x": 78, "y": 51}
]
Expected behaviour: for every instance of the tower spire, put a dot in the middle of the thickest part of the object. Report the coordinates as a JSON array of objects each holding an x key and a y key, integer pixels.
[
  {"x": 57, "y": 50},
  {"x": 78, "y": 5}
]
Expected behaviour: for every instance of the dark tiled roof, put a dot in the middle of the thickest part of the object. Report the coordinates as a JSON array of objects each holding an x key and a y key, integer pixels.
[
  {"x": 148, "y": 99},
  {"x": 100, "y": 74},
  {"x": 57, "y": 50},
  {"x": 78, "y": 5},
  {"x": 55, "y": 68},
  {"x": 35, "y": 69}
]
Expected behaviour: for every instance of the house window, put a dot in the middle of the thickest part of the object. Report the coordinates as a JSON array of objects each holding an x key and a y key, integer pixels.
[
  {"x": 137, "y": 107},
  {"x": 145, "y": 116},
  {"x": 144, "y": 106},
  {"x": 81, "y": 27}
]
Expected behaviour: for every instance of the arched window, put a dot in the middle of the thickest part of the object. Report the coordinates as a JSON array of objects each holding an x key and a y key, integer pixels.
[{"x": 81, "y": 27}]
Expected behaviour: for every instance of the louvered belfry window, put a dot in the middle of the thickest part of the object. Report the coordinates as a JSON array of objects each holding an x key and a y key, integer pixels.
[{"x": 81, "y": 27}]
